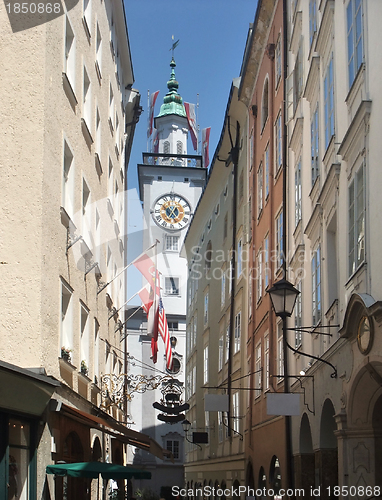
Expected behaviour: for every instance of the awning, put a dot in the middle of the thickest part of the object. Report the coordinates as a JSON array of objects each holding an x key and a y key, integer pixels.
[
  {"x": 94, "y": 469},
  {"x": 126, "y": 435},
  {"x": 24, "y": 390}
]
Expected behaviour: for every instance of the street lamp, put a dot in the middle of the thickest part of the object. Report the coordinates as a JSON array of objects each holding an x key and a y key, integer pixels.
[
  {"x": 283, "y": 296},
  {"x": 186, "y": 424}
]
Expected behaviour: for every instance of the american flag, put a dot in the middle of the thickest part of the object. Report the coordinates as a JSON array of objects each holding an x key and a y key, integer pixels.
[{"x": 163, "y": 330}]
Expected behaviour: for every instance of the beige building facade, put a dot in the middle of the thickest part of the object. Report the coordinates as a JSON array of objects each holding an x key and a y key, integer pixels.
[
  {"x": 215, "y": 247},
  {"x": 68, "y": 119}
]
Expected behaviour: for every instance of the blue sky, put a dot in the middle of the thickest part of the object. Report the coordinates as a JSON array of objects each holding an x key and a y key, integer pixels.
[{"x": 212, "y": 36}]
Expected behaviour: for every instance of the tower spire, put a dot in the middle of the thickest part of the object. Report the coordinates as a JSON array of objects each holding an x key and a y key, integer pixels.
[{"x": 172, "y": 101}]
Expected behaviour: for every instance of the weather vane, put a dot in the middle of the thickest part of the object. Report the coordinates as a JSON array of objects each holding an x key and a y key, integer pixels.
[{"x": 174, "y": 45}]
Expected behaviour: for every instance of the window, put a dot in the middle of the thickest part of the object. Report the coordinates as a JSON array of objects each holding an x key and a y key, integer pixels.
[
  {"x": 87, "y": 16},
  {"x": 239, "y": 257},
  {"x": 225, "y": 227},
  {"x": 264, "y": 107},
  {"x": 66, "y": 317},
  {"x": 329, "y": 103},
  {"x": 85, "y": 340},
  {"x": 173, "y": 446},
  {"x": 297, "y": 186},
  {"x": 297, "y": 79},
  {"x": 87, "y": 100},
  {"x": 278, "y": 62},
  {"x": 298, "y": 316},
  {"x": 205, "y": 364},
  {"x": 221, "y": 352},
  {"x": 266, "y": 170},
  {"x": 316, "y": 286},
  {"x": 166, "y": 147},
  {"x": 237, "y": 332},
  {"x": 258, "y": 370},
  {"x": 220, "y": 426},
  {"x": 356, "y": 222},
  {"x": 173, "y": 325},
  {"x": 179, "y": 147},
  {"x": 99, "y": 52},
  {"x": 171, "y": 243},
  {"x": 278, "y": 143},
  {"x": 70, "y": 54},
  {"x": 68, "y": 181},
  {"x": 280, "y": 352},
  {"x": 266, "y": 361},
  {"x": 111, "y": 107},
  {"x": 195, "y": 328},
  {"x": 98, "y": 135},
  {"x": 86, "y": 214},
  {"x": 312, "y": 19},
  {"x": 279, "y": 239},
  {"x": 266, "y": 262},
  {"x": 259, "y": 274},
  {"x": 222, "y": 291},
  {"x": 171, "y": 286},
  {"x": 260, "y": 179},
  {"x": 208, "y": 258},
  {"x": 96, "y": 351},
  {"x": 354, "y": 37},
  {"x": 206, "y": 308},
  {"x": 19, "y": 454},
  {"x": 235, "y": 411},
  {"x": 314, "y": 138},
  {"x": 227, "y": 343}
]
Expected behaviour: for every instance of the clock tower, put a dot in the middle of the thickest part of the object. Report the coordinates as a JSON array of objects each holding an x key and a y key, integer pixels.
[{"x": 170, "y": 185}]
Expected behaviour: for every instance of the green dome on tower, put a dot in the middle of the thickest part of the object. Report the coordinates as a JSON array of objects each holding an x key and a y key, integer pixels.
[{"x": 172, "y": 102}]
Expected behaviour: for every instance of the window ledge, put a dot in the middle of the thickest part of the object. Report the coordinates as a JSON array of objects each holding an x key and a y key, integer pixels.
[
  {"x": 66, "y": 219},
  {"x": 69, "y": 90},
  {"x": 87, "y": 30},
  {"x": 84, "y": 378},
  {"x": 66, "y": 365},
  {"x": 86, "y": 132},
  {"x": 98, "y": 71},
  {"x": 111, "y": 126},
  {"x": 98, "y": 164}
]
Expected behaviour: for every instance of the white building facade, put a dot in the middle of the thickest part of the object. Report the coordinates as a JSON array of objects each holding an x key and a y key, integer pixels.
[{"x": 170, "y": 184}]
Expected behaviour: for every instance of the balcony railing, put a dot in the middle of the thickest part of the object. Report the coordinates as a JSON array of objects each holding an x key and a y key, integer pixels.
[{"x": 172, "y": 160}]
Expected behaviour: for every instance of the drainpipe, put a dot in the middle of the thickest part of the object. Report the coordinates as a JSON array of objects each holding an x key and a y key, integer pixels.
[
  {"x": 288, "y": 427},
  {"x": 234, "y": 153}
]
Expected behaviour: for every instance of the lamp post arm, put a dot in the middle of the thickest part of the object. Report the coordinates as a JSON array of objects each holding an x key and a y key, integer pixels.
[{"x": 333, "y": 375}]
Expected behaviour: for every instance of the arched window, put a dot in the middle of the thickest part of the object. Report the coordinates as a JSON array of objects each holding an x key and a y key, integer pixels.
[{"x": 264, "y": 106}]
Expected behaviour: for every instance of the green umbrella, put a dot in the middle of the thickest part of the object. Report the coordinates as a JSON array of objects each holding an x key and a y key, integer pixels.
[{"x": 93, "y": 469}]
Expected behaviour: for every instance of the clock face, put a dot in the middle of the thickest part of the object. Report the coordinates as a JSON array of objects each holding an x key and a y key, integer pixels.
[
  {"x": 171, "y": 212},
  {"x": 364, "y": 337}
]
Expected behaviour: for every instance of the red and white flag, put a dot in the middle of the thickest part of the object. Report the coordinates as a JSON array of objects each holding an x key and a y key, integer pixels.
[
  {"x": 155, "y": 143},
  {"x": 163, "y": 330},
  {"x": 206, "y": 146},
  {"x": 153, "y": 98},
  {"x": 146, "y": 266},
  {"x": 191, "y": 117},
  {"x": 147, "y": 297}
]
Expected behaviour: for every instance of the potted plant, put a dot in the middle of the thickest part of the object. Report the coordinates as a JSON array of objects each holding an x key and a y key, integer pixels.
[
  {"x": 65, "y": 354},
  {"x": 84, "y": 368}
]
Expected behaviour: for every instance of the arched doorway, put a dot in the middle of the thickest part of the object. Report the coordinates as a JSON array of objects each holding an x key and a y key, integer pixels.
[
  {"x": 72, "y": 488},
  {"x": 377, "y": 428},
  {"x": 326, "y": 458},
  {"x": 304, "y": 461},
  {"x": 275, "y": 475},
  {"x": 262, "y": 483},
  {"x": 235, "y": 488},
  {"x": 249, "y": 477}
]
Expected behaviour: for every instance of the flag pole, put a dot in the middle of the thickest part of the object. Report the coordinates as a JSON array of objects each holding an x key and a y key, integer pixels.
[
  {"x": 123, "y": 305},
  {"x": 197, "y": 120},
  {"x": 128, "y": 265},
  {"x": 148, "y": 118}
]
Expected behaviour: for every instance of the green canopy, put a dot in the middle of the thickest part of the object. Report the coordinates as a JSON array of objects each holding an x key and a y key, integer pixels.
[{"x": 93, "y": 469}]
